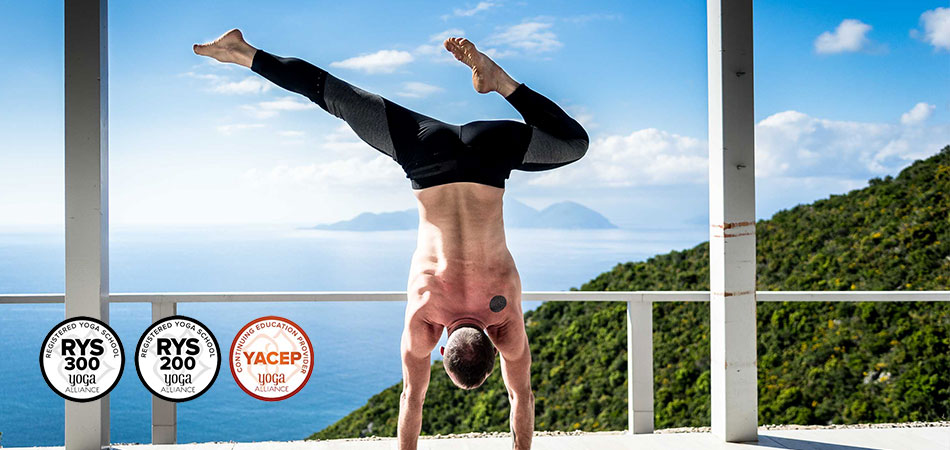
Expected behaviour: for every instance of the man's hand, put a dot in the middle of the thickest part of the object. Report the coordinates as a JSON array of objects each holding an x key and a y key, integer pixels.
[
  {"x": 517, "y": 375},
  {"x": 418, "y": 340},
  {"x": 512, "y": 342}
]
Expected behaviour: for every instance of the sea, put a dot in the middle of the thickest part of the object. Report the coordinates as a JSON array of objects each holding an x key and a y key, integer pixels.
[{"x": 356, "y": 343}]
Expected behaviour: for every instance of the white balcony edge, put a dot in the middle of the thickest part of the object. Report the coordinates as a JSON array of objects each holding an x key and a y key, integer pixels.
[
  {"x": 639, "y": 327},
  {"x": 573, "y": 296}
]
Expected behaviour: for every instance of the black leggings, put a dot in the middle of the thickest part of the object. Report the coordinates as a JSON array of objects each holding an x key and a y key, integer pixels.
[{"x": 430, "y": 151}]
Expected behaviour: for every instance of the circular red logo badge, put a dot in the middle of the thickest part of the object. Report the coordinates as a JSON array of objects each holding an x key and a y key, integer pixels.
[{"x": 271, "y": 358}]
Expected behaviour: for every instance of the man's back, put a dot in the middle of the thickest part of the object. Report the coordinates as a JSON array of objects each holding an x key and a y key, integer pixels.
[{"x": 462, "y": 260}]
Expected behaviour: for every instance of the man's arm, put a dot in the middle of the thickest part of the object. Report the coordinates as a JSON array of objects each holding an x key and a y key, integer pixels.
[
  {"x": 512, "y": 342},
  {"x": 417, "y": 345}
]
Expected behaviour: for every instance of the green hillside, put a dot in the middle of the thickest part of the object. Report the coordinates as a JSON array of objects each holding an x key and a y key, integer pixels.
[{"x": 819, "y": 363}]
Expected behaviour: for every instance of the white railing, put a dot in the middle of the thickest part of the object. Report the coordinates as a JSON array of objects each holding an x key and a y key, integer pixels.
[{"x": 639, "y": 327}]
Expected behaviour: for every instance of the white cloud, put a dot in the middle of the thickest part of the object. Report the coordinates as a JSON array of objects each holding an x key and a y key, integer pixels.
[
  {"x": 584, "y": 18},
  {"x": 415, "y": 89},
  {"x": 790, "y": 145},
  {"x": 291, "y": 133},
  {"x": 436, "y": 51},
  {"x": 344, "y": 163},
  {"x": 441, "y": 36},
  {"x": 234, "y": 127},
  {"x": 794, "y": 144},
  {"x": 287, "y": 104},
  {"x": 381, "y": 172},
  {"x": 343, "y": 141},
  {"x": 495, "y": 53},
  {"x": 357, "y": 167},
  {"x": 271, "y": 108},
  {"x": 531, "y": 37},
  {"x": 481, "y": 6},
  {"x": 249, "y": 85},
  {"x": 936, "y": 23},
  {"x": 203, "y": 76},
  {"x": 224, "y": 85},
  {"x": 434, "y": 48},
  {"x": 919, "y": 113},
  {"x": 642, "y": 158},
  {"x": 383, "y": 61},
  {"x": 849, "y": 36}
]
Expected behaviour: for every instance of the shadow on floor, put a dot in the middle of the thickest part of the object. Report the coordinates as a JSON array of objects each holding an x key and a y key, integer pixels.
[{"x": 801, "y": 444}]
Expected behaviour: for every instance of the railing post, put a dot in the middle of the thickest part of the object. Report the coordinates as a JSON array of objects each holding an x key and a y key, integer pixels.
[
  {"x": 86, "y": 110},
  {"x": 734, "y": 397},
  {"x": 640, "y": 365},
  {"x": 164, "y": 413}
]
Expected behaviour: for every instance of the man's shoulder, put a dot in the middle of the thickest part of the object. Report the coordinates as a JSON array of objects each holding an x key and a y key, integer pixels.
[
  {"x": 420, "y": 332},
  {"x": 512, "y": 343},
  {"x": 422, "y": 311}
]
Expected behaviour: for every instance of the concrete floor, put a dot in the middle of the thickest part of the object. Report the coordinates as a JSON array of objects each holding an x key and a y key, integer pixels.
[{"x": 934, "y": 438}]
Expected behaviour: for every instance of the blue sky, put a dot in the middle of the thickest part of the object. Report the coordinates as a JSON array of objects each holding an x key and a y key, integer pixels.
[{"x": 845, "y": 91}]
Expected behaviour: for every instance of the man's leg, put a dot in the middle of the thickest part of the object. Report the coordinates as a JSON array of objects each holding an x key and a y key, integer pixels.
[
  {"x": 384, "y": 125},
  {"x": 363, "y": 111},
  {"x": 548, "y": 139},
  {"x": 556, "y": 138}
]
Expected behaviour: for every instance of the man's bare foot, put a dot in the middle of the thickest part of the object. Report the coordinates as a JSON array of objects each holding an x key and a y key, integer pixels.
[
  {"x": 229, "y": 48},
  {"x": 486, "y": 75}
]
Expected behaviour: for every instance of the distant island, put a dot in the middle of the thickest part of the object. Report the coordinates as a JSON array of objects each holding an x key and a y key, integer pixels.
[{"x": 562, "y": 215}]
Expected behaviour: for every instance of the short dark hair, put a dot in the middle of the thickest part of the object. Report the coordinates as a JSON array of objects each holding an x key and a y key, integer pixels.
[{"x": 469, "y": 357}]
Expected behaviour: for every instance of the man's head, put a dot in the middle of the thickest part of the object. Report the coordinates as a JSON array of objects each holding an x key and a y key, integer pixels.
[{"x": 468, "y": 357}]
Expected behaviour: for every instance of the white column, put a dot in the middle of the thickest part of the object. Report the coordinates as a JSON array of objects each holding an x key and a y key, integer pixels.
[
  {"x": 732, "y": 220},
  {"x": 640, "y": 366},
  {"x": 164, "y": 413},
  {"x": 87, "y": 194}
]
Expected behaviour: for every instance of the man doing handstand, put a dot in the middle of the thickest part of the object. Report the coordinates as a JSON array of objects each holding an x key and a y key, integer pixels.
[{"x": 462, "y": 277}]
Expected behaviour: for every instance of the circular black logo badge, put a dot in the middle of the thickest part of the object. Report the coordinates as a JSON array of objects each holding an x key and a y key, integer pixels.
[
  {"x": 177, "y": 358},
  {"x": 82, "y": 359}
]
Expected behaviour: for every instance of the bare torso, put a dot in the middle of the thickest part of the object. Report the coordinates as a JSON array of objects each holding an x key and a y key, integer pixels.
[{"x": 462, "y": 261}]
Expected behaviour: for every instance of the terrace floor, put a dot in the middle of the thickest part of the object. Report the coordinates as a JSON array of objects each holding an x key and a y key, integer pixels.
[{"x": 920, "y": 438}]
